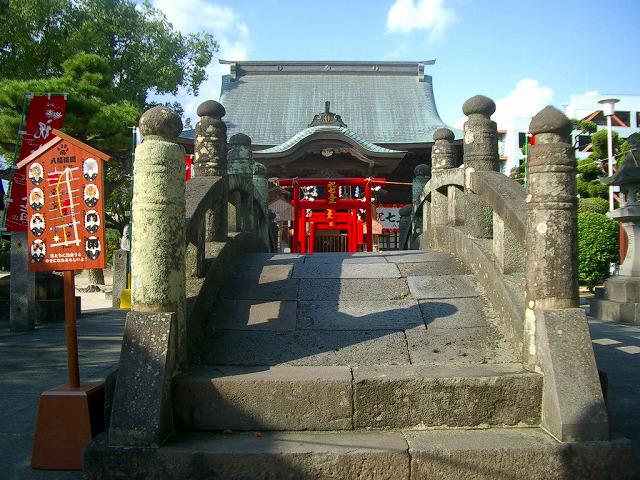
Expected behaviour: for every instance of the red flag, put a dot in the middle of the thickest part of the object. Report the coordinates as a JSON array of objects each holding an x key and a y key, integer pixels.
[
  {"x": 188, "y": 163},
  {"x": 45, "y": 114}
]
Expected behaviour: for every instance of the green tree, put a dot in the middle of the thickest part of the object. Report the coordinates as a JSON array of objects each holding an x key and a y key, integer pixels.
[
  {"x": 143, "y": 52},
  {"x": 109, "y": 55}
]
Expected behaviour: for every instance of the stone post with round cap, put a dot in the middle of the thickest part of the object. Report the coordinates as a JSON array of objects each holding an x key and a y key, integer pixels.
[
  {"x": 261, "y": 193},
  {"x": 154, "y": 339},
  {"x": 556, "y": 334},
  {"x": 240, "y": 167},
  {"x": 210, "y": 142},
  {"x": 420, "y": 179},
  {"x": 158, "y": 211},
  {"x": 480, "y": 154},
  {"x": 443, "y": 157},
  {"x": 551, "y": 256},
  {"x": 210, "y": 152}
]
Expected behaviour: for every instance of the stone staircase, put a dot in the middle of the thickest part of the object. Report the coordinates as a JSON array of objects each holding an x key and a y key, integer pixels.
[{"x": 383, "y": 365}]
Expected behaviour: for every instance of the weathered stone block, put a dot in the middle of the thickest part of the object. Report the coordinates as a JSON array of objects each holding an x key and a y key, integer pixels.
[
  {"x": 264, "y": 398},
  {"x": 273, "y": 455},
  {"x": 421, "y": 396},
  {"x": 359, "y": 315},
  {"x": 142, "y": 412},
  {"x": 443, "y": 286},
  {"x": 573, "y": 407},
  {"x": 523, "y": 454}
]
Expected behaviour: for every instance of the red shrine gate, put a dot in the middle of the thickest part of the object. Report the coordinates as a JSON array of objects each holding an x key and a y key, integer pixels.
[{"x": 330, "y": 211}]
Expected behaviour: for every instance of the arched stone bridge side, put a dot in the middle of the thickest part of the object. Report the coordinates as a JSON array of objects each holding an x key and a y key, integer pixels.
[{"x": 521, "y": 245}]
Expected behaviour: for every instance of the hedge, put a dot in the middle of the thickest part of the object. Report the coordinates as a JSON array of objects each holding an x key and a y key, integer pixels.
[
  {"x": 598, "y": 246},
  {"x": 593, "y": 204}
]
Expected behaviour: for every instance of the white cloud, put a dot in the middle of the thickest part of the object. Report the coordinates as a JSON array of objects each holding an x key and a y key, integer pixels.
[
  {"x": 524, "y": 101},
  {"x": 232, "y": 34},
  {"x": 432, "y": 16}
]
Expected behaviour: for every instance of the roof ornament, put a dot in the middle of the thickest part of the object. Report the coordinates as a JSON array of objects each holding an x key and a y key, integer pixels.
[{"x": 327, "y": 118}]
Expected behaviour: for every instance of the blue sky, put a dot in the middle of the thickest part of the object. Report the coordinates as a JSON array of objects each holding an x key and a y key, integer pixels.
[{"x": 523, "y": 54}]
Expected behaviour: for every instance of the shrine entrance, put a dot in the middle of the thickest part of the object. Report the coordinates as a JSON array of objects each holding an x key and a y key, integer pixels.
[{"x": 332, "y": 214}]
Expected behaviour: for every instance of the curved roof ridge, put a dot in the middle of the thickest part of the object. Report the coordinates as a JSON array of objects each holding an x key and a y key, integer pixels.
[{"x": 310, "y": 131}]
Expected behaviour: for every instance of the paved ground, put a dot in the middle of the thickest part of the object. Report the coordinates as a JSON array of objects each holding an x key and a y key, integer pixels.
[{"x": 31, "y": 363}]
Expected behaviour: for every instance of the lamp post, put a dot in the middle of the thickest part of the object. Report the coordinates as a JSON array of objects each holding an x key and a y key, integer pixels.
[{"x": 608, "y": 109}]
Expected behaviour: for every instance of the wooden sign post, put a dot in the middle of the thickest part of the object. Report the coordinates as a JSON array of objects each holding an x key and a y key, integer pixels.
[{"x": 65, "y": 215}]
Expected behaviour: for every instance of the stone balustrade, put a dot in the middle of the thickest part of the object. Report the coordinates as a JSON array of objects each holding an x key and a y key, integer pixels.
[{"x": 522, "y": 246}]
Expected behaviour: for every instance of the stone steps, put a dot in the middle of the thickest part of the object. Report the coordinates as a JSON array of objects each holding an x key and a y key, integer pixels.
[
  {"x": 506, "y": 453},
  {"x": 347, "y": 398}
]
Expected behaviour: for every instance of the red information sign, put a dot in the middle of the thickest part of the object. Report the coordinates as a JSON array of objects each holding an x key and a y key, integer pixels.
[
  {"x": 65, "y": 205},
  {"x": 45, "y": 114}
]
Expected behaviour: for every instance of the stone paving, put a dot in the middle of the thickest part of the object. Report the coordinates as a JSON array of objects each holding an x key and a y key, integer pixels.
[
  {"x": 31, "y": 363},
  {"x": 392, "y": 308}
]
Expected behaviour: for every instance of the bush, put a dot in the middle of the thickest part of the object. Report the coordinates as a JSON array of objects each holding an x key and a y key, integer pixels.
[
  {"x": 597, "y": 247},
  {"x": 112, "y": 238},
  {"x": 594, "y": 204}
]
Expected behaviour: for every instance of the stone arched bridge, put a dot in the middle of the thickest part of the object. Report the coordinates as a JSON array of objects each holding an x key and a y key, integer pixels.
[{"x": 464, "y": 356}]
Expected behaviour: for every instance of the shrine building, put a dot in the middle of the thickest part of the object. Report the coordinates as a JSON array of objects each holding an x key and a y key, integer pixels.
[{"x": 333, "y": 120}]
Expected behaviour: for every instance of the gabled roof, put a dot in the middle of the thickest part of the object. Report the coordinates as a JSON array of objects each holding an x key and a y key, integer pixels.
[
  {"x": 384, "y": 102},
  {"x": 366, "y": 146}
]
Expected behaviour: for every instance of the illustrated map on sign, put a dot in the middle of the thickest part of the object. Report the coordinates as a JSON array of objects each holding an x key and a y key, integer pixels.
[{"x": 65, "y": 206}]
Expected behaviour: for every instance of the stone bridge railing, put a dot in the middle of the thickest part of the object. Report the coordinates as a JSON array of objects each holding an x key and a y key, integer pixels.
[
  {"x": 522, "y": 247},
  {"x": 183, "y": 240}
]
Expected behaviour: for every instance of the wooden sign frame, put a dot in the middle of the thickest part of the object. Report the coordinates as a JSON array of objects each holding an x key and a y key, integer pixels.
[{"x": 65, "y": 205}]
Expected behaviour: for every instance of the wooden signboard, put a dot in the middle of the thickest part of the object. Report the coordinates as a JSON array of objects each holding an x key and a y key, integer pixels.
[
  {"x": 65, "y": 221},
  {"x": 65, "y": 205}
]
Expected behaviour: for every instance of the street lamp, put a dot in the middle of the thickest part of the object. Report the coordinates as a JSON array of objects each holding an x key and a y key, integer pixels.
[{"x": 608, "y": 109}]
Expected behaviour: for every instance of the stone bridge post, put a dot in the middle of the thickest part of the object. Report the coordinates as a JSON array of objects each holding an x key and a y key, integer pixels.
[
  {"x": 154, "y": 338},
  {"x": 240, "y": 167},
  {"x": 480, "y": 154},
  {"x": 443, "y": 157},
  {"x": 261, "y": 191},
  {"x": 556, "y": 334},
  {"x": 420, "y": 179},
  {"x": 210, "y": 150}
]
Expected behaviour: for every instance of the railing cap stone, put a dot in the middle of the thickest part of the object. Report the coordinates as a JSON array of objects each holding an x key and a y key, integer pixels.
[
  {"x": 443, "y": 134},
  {"x": 240, "y": 139},
  {"x": 211, "y": 108},
  {"x": 421, "y": 170},
  {"x": 479, "y": 105},
  {"x": 550, "y": 120},
  {"x": 160, "y": 121},
  {"x": 259, "y": 169}
]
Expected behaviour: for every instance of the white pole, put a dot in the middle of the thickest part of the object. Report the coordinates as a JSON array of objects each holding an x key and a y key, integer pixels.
[{"x": 610, "y": 149}]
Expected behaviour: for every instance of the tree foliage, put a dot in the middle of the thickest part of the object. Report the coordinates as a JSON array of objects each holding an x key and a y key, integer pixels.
[
  {"x": 598, "y": 247},
  {"x": 109, "y": 56}
]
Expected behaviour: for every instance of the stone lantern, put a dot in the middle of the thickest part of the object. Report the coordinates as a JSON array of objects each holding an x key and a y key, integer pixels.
[{"x": 621, "y": 300}]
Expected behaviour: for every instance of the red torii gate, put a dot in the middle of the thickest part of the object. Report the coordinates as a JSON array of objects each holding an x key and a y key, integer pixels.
[{"x": 331, "y": 212}]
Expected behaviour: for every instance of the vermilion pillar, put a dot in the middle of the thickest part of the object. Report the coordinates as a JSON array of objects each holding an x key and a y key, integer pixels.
[
  {"x": 369, "y": 213},
  {"x": 296, "y": 219}
]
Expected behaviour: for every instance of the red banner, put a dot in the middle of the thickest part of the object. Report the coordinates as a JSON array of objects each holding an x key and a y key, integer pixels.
[{"x": 45, "y": 113}]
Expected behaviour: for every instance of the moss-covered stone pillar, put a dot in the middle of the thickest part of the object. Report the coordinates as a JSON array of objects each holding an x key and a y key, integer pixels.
[
  {"x": 240, "y": 167},
  {"x": 443, "y": 157},
  {"x": 210, "y": 142},
  {"x": 420, "y": 179},
  {"x": 551, "y": 265},
  {"x": 557, "y": 340},
  {"x": 261, "y": 192},
  {"x": 158, "y": 211},
  {"x": 480, "y": 154},
  {"x": 210, "y": 151}
]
